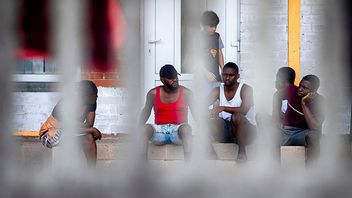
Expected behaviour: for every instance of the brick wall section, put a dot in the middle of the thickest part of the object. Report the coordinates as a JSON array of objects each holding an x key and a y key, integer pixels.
[
  {"x": 264, "y": 47},
  {"x": 112, "y": 109},
  {"x": 312, "y": 27},
  {"x": 31, "y": 109},
  {"x": 313, "y": 16},
  {"x": 249, "y": 24},
  {"x": 104, "y": 79}
]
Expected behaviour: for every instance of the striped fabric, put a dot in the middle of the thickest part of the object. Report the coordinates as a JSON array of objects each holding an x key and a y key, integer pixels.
[{"x": 51, "y": 142}]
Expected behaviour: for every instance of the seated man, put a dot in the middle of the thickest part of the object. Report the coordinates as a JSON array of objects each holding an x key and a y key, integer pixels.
[
  {"x": 285, "y": 76},
  {"x": 234, "y": 118},
  {"x": 170, "y": 102},
  {"x": 51, "y": 131},
  {"x": 302, "y": 122}
]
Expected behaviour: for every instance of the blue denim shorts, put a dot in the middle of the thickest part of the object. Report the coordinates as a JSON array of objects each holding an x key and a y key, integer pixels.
[{"x": 166, "y": 134}]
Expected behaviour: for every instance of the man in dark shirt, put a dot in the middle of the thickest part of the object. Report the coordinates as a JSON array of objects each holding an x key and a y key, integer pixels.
[
  {"x": 302, "y": 122},
  {"x": 51, "y": 131},
  {"x": 285, "y": 76},
  {"x": 211, "y": 47}
]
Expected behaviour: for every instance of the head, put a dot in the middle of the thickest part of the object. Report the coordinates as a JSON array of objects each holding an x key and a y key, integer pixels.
[
  {"x": 230, "y": 74},
  {"x": 309, "y": 83},
  {"x": 284, "y": 76},
  {"x": 168, "y": 76},
  {"x": 89, "y": 91},
  {"x": 210, "y": 21}
]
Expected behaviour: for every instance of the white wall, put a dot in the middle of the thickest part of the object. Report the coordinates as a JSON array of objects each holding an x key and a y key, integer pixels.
[
  {"x": 314, "y": 30},
  {"x": 32, "y": 108},
  {"x": 112, "y": 105}
]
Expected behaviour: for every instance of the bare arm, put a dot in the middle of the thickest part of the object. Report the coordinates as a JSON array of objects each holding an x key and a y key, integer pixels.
[
  {"x": 147, "y": 107},
  {"x": 277, "y": 103},
  {"x": 88, "y": 126},
  {"x": 221, "y": 59},
  {"x": 191, "y": 103},
  {"x": 213, "y": 95},
  {"x": 94, "y": 131},
  {"x": 90, "y": 119},
  {"x": 314, "y": 122},
  {"x": 210, "y": 76}
]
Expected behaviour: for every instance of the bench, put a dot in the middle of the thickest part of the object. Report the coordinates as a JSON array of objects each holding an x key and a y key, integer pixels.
[
  {"x": 31, "y": 151},
  {"x": 113, "y": 148},
  {"x": 27, "y": 134},
  {"x": 293, "y": 157}
]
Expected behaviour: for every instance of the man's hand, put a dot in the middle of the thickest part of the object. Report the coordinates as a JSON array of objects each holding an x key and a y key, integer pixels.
[
  {"x": 216, "y": 110},
  {"x": 308, "y": 98},
  {"x": 96, "y": 134}
]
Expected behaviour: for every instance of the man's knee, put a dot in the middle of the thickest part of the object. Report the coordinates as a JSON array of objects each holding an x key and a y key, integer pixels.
[
  {"x": 312, "y": 137},
  {"x": 89, "y": 139},
  {"x": 148, "y": 130},
  {"x": 185, "y": 130},
  {"x": 237, "y": 119}
]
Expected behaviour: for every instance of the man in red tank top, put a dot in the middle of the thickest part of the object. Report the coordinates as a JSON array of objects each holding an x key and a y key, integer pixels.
[{"x": 170, "y": 102}]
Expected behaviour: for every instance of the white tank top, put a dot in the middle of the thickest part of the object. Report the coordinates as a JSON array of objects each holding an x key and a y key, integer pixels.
[{"x": 236, "y": 101}]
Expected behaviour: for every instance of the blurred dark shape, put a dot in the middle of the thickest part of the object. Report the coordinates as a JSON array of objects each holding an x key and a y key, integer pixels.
[
  {"x": 105, "y": 28},
  {"x": 348, "y": 8},
  {"x": 34, "y": 29}
]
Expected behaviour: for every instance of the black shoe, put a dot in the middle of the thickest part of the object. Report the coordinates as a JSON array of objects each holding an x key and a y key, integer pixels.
[{"x": 241, "y": 157}]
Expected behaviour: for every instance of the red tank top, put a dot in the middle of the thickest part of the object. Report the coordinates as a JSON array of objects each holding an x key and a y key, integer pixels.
[{"x": 172, "y": 113}]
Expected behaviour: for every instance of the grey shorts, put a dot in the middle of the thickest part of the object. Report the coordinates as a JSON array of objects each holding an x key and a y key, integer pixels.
[{"x": 293, "y": 136}]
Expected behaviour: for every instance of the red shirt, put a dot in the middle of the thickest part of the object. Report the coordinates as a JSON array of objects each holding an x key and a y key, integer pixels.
[
  {"x": 293, "y": 116},
  {"x": 172, "y": 113}
]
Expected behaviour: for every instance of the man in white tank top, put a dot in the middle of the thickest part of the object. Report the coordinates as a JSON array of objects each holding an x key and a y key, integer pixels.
[{"x": 234, "y": 118}]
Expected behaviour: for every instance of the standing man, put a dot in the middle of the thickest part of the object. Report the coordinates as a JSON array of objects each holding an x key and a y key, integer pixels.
[
  {"x": 302, "y": 122},
  {"x": 234, "y": 118},
  {"x": 212, "y": 46},
  {"x": 170, "y": 102}
]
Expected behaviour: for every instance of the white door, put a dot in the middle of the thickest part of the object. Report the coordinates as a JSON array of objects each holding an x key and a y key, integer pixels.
[{"x": 162, "y": 37}]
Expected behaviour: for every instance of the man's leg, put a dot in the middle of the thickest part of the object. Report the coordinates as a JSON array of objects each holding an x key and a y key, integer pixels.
[
  {"x": 216, "y": 133},
  {"x": 148, "y": 133},
  {"x": 90, "y": 149},
  {"x": 239, "y": 124},
  {"x": 185, "y": 132},
  {"x": 312, "y": 139},
  {"x": 218, "y": 126},
  {"x": 221, "y": 131}
]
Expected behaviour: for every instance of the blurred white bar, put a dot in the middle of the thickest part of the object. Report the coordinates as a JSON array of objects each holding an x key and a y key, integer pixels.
[{"x": 36, "y": 78}]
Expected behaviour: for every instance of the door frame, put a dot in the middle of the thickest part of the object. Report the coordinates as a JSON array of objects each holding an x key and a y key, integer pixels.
[{"x": 231, "y": 43}]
